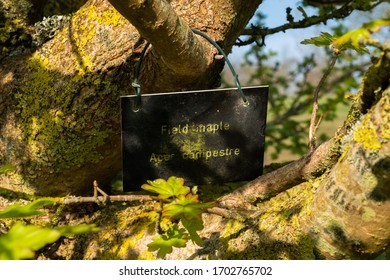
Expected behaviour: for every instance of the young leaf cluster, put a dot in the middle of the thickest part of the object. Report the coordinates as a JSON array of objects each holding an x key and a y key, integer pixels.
[
  {"x": 180, "y": 207},
  {"x": 354, "y": 40},
  {"x": 23, "y": 240}
]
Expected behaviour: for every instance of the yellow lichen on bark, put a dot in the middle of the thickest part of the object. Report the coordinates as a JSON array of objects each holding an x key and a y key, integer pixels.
[{"x": 367, "y": 135}]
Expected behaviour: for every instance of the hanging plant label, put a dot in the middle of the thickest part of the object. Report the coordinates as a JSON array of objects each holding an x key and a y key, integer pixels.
[{"x": 205, "y": 137}]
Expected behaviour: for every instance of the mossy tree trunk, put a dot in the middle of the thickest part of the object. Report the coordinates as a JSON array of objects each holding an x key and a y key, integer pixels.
[
  {"x": 59, "y": 122},
  {"x": 59, "y": 104},
  {"x": 350, "y": 213}
]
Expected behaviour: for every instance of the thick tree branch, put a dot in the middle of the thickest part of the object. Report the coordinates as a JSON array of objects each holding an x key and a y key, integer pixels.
[
  {"x": 171, "y": 37},
  {"x": 279, "y": 180}
]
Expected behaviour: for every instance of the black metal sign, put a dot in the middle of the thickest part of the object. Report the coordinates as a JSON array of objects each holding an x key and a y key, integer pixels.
[{"x": 203, "y": 136}]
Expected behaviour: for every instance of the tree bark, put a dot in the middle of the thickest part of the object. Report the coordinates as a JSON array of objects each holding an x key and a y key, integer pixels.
[
  {"x": 59, "y": 122},
  {"x": 180, "y": 49},
  {"x": 59, "y": 104},
  {"x": 350, "y": 211}
]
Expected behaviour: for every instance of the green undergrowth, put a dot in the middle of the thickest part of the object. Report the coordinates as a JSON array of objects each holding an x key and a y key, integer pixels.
[{"x": 26, "y": 236}]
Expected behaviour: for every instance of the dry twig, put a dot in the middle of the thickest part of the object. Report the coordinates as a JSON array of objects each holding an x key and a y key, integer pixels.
[{"x": 313, "y": 123}]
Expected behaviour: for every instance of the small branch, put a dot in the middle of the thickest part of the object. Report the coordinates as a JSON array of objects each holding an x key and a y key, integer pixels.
[
  {"x": 109, "y": 198},
  {"x": 343, "y": 12},
  {"x": 313, "y": 124},
  {"x": 340, "y": 13},
  {"x": 105, "y": 197},
  {"x": 229, "y": 214}
]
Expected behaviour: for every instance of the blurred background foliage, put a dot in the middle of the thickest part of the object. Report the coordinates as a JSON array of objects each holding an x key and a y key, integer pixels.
[{"x": 293, "y": 77}]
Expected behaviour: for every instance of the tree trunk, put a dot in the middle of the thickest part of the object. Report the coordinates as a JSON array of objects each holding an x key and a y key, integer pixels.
[
  {"x": 59, "y": 122},
  {"x": 350, "y": 213},
  {"x": 59, "y": 105}
]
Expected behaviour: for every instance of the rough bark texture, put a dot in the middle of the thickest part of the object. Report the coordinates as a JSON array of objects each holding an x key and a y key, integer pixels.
[
  {"x": 59, "y": 105},
  {"x": 59, "y": 122},
  {"x": 182, "y": 50},
  {"x": 350, "y": 212}
]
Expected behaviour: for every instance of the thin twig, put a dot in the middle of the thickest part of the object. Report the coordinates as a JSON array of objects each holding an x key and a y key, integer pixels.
[
  {"x": 109, "y": 198},
  {"x": 105, "y": 197},
  {"x": 313, "y": 123}
]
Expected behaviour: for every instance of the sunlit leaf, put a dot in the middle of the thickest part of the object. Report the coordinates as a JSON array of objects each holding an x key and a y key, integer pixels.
[
  {"x": 21, "y": 241},
  {"x": 192, "y": 226},
  {"x": 22, "y": 211},
  {"x": 164, "y": 243},
  {"x": 187, "y": 207},
  {"x": 173, "y": 187},
  {"x": 189, "y": 211},
  {"x": 376, "y": 25},
  {"x": 324, "y": 40},
  {"x": 353, "y": 40}
]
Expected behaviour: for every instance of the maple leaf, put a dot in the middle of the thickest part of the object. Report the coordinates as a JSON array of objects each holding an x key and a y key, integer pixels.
[
  {"x": 187, "y": 207},
  {"x": 189, "y": 211},
  {"x": 172, "y": 187},
  {"x": 164, "y": 243},
  {"x": 31, "y": 209}
]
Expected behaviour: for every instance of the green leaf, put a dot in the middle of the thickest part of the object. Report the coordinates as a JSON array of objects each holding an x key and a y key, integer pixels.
[
  {"x": 187, "y": 207},
  {"x": 189, "y": 211},
  {"x": 376, "y": 25},
  {"x": 7, "y": 168},
  {"x": 354, "y": 40},
  {"x": 173, "y": 187},
  {"x": 303, "y": 12},
  {"x": 192, "y": 227},
  {"x": 22, "y": 211},
  {"x": 22, "y": 241},
  {"x": 164, "y": 243},
  {"x": 324, "y": 40}
]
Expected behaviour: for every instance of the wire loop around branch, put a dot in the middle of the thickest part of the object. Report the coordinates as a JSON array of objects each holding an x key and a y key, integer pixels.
[{"x": 137, "y": 87}]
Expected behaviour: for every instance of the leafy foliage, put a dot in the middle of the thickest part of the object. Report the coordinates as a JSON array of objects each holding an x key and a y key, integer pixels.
[
  {"x": 22, "y": 240},
  {"x": 189, "y": 211},
  {"x": 181, "y": 205},
  {"x": 354, "y": 40},
  {"x": 164, "y": 243},
  {"x": 21, "y": 211},
  {"x": 292, "y": 83},
  {"x": 165, "y": 189}
]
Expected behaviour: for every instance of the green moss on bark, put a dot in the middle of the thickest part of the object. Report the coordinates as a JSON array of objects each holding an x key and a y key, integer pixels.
[{"x": 52, "y": 121}]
